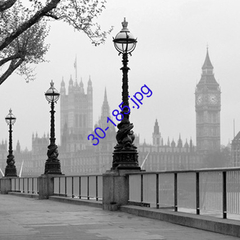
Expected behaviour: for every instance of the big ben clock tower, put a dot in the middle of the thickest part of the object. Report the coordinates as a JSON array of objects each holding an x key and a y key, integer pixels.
[{"x": 208, "y": 107}]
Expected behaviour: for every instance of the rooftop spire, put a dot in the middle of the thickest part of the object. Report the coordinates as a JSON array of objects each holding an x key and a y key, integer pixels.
[
  {"x": 207, "y": 63},
  {"x": 105, "y": 110},
  {"x": 105, "y": 106},
  {"x": 89, "y": 80},
  {"x": 81, "y": 86},
  {"x": 156, "y": 127},
  {"x": 179, "y": 141},
  {"x": 207, "y": 77},
  {"x": 105, "y": 95}
]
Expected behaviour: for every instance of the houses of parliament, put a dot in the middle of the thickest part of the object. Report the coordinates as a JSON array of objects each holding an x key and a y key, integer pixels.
[{"x": 78, "y": 156}]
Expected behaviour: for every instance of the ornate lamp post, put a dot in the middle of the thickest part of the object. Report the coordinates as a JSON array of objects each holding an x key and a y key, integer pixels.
[
  {"x": 52, "y": 165},
  {"x": 10, "y": 170},
  {"x": 125, "y": 155}
]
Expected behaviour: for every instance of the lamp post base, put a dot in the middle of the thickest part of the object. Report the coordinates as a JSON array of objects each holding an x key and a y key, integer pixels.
[
  {"x": 10, "y": 171},
  {"x": 125, "y": 159},
  {"x": 52, "y": 167}
]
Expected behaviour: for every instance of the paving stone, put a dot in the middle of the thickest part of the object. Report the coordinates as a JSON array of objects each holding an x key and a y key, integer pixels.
[{"x": 28, "y": 219}]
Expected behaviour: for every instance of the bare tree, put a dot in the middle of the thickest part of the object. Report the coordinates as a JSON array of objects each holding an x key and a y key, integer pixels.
[
  {"x": 23, "y": 29},
  {"x": 27, "y": 48}
]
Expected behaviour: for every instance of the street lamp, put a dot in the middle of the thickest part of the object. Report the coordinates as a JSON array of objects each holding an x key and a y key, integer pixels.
[
  {"x": 125, "y": 155},
  {"x": 10, "y": 170},
  {"x": 52, "y": 165}
]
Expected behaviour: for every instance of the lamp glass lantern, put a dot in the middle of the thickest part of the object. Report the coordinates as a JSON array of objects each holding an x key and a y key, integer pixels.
[
  {"x": 10, "y": 118},
  {"x": 124, "y": 41},
  {"x": 52, "y": 95}
]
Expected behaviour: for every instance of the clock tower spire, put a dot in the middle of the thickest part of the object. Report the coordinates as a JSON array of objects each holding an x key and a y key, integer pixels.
[{"x": 208, "y": 107}]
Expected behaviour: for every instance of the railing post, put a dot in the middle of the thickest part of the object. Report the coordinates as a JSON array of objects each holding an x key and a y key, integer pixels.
[
  {"x": 88, "y": 188},
  {"x": 72, "y": 187},
  {"x": 23, "y": 185},
  {"x": 141, "y": 188},
  {"x": 197, "y": 194},
  {"x": 38, "y": 183},
  {"x": 12, "y": 185},
  {"x": 28, "y": 190},
  {"x": 224, "y": 179},
  {"x": 66, "y": 186},
  {"x": 175, "y": 193},
  {"x": 32, "y": 185},
  {"x": 80, "y": 189},
  {"x": 59, "y": 192},
  {"x": 96, "y": 188},
  {"x": 157, "y": 190}
]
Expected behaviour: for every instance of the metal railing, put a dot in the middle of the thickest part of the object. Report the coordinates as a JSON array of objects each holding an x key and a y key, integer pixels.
[
  {"x": 25, "y": 185},
  {"x": 87, "y": 187},
  {"x": 213, "y": 192},
  {"x": 205, "y": 191}
]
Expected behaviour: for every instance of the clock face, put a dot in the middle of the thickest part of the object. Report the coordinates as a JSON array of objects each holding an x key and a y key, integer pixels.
[
  {"x": 212, "y": 98},
  {"x": 199, "y": 99}
]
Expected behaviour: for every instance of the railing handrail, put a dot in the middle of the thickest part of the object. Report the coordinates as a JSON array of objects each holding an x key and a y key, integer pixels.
[
  {"x": 28, "y": 177},
  {"x": 20, "y": 177},
  {"x": 186, "y": 171},
  {"x": 62, "y": 176},
  {"x": 89, "y": 175}
]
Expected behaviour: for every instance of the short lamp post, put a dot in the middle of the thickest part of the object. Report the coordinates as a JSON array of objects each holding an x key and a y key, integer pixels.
[
  {"x": 52, "y": 165},
  {"x": 125, "y": 154},
  {"x": 10, "y": 170}
]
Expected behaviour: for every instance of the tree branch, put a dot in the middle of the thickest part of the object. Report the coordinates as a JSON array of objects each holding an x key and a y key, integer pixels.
[
  {"x": 52, "y": 16},
  {"x": 5, "y": 60},
  {"x": 11, "y": 69},
  {"x": 6, "y": 4},
  {"x": 26, "y": 25}
]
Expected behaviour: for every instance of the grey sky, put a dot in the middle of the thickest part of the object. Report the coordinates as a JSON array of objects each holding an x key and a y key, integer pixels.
[{"x": 172, "y": 39}]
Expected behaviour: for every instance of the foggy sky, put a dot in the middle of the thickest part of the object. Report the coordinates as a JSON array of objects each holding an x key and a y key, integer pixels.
[{"x": 172, "y": 40}]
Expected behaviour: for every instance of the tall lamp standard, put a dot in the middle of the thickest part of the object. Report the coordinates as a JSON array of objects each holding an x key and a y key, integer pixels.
[
  {"x": 52, "y": 165},
  {"x": 125, "y": 155},
  {"x": 10, "y": 170}
]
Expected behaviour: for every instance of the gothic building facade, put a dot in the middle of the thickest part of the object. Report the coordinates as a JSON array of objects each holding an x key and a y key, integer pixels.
[
  {"x": 167, "y": 156},
  {"x": 208, "y": 107},
  {"x": 76, "y": 115}
]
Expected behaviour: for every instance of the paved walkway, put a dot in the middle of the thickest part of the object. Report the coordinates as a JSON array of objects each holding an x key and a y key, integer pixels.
[{"x": 31, "y": 219}]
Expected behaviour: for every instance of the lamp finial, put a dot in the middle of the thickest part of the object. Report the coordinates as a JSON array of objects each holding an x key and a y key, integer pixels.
[
  {"x": 52, "y": 83},
  {"x": 124, "y": 23}
]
